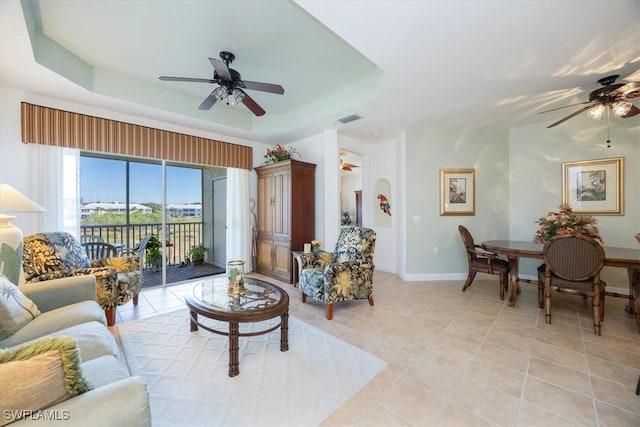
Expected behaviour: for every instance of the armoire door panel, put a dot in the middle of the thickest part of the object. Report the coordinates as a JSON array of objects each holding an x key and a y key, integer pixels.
[
  {"x": 265, "y": 255},
  {"x": 281, "y": 206},
  {"x": 265, "y": 205},
  {"x": 282, "y": 259}
]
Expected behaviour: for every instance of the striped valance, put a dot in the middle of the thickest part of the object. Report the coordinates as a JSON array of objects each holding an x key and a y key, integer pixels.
[{"x": 50, "y": 126}]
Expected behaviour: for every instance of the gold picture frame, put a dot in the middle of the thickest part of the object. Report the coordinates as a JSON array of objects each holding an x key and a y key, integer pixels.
[
  {"x": 457, "y": 192},
  {"x": 594, "y": 186}
]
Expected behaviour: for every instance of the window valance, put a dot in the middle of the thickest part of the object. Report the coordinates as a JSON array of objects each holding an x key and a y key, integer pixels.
[{"x": 50, "y": 126}]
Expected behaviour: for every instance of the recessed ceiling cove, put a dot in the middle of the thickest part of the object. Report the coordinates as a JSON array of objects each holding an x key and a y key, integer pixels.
[{"x": 119, "y": 49}]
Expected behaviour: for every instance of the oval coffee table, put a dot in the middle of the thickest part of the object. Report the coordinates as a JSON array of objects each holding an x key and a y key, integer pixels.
[{"x": 261, "y": 301}]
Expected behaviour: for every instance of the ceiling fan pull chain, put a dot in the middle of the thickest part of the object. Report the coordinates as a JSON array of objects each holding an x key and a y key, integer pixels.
[{"x": 608, "y": 130}]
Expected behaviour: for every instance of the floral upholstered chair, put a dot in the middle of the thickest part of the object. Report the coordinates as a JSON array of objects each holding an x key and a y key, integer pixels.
[
  {"x": 55, "y": 255},
  {"x": 345, "y": 274}
]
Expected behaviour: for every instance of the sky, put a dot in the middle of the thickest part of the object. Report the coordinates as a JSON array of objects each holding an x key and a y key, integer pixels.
[{"x": 104, "y": 180}]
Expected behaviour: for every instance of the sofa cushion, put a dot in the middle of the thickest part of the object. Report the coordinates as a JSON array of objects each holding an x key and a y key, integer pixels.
[
  {"x": 38, "y": 375},
  {"x": 16, "y": 310},
  {"x": 94, "y": 340},
  {"x": 104, "y": 370},
  {"x": 55, "y": 320}
]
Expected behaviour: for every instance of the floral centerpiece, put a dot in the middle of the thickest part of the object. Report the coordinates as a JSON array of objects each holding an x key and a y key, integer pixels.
[
  {"x": 278, "y": 154},
  {"x": 315, "y": 245},
  {"x": 566, "y": 222}
]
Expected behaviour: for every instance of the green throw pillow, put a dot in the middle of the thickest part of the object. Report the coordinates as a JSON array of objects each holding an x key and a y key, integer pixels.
[
  {"x": 16, "y": 310},
  {"x": 38, "y": 375}
]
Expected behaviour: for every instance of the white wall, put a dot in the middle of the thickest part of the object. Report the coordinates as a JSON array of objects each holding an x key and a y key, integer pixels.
[
  {"x": 381, "y": 163},
  {"x": 428, "y": 151}
]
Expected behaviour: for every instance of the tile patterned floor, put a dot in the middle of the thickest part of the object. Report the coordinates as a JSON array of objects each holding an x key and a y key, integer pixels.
[{"x": 467, "y": 359}]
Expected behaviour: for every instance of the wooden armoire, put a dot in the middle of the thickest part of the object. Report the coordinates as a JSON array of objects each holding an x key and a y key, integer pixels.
[{"x": 285, "y": 215}]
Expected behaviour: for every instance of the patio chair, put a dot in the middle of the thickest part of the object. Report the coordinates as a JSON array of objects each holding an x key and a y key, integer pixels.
[
  {"x": 54, "y": 255},
  {"x": 138, "y": 250},
  {"x": 99, "y": 250},
  {"x": 572, "y": 264},
  {"x": 481, "y": 261},
  {"x": 346, "y": 274},
  {"x": 89, "y": 238}
]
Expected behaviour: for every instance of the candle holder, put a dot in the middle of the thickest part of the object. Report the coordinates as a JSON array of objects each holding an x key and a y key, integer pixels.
[{"x": 235, "y": 273}]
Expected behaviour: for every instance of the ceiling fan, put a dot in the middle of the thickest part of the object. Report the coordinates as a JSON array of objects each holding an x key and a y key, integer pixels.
[
  {"x": 345, "y": 166},
  {"x": 611, "y": 96},
  {"x": 230, "y": 85}
]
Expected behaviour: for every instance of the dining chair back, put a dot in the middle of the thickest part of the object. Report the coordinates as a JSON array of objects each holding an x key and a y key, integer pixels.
[
  {"x": 572, "y": 264},
  {"x": 481, "y": 261}
]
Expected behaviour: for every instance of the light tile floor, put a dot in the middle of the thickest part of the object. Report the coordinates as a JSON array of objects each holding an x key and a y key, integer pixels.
[{"x": 467, "y": 359}]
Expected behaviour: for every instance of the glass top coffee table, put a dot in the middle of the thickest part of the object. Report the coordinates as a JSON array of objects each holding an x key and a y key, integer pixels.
[{"x": 261, "y": 301}]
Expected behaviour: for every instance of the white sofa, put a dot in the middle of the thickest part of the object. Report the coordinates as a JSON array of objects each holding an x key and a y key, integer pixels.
[{"x": 68, "y": 308}]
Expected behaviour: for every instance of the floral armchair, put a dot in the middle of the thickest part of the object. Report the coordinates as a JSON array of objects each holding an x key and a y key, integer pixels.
[
  {"x": 346, "y": 274},
  {"x": 55, "y": 255}
]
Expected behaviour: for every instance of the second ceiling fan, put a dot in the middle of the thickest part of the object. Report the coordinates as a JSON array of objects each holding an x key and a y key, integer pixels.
[
  {"x": 611, "y": 96},
  {"x": 230, "y": 85},
  {"x": 346, "y": 166}
]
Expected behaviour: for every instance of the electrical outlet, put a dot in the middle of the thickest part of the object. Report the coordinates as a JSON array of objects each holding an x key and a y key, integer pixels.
[{"x": 436, "y": 250}]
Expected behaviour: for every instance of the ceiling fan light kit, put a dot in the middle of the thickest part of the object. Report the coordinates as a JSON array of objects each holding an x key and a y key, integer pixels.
[
  {"x": 230, "y": 85},
  {"x": 622, "y": 108}
]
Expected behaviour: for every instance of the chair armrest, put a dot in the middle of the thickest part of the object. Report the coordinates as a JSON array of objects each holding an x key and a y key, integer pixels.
[
  {"x": 106, "y": 282},
  {"x": 121, "y": 403},
  {"x": 57, "y": 293},
  {"x": 479, "y": 250},
  {"x": 123, "y": 264}
]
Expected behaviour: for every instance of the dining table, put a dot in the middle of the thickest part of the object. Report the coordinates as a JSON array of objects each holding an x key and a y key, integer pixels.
[{"x": 614, "y": 257}]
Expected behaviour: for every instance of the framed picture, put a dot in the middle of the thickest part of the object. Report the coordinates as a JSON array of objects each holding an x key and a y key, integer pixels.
[
  {"x": 594, "y": 186},
  {"x": 457, "y": 191}
]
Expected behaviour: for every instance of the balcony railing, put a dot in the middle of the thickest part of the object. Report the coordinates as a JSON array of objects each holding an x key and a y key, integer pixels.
[{"x": 179, "y": 237}]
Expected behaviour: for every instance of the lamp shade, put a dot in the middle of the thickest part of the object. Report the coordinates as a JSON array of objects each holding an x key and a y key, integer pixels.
[{"x": 11, "y": 200}]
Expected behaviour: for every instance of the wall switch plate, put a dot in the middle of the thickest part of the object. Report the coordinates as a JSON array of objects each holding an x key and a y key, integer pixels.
[
  {"x": 417, "y": 219},
  {"x": 436, "y": 250}
]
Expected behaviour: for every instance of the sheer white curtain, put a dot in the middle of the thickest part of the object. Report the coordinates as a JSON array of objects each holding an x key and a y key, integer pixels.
[
  {"x": 55, "y": 184},
  {"x": 238, "y": 222}
]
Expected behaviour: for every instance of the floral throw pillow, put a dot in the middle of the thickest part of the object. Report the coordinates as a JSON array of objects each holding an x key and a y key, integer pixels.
[{"x": 16, "y": 310}]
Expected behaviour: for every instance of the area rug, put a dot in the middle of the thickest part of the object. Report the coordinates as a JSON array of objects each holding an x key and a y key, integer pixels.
[{"x": 187, "y": 373}]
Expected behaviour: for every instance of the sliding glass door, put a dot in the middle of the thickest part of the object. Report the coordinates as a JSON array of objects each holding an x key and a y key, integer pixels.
[{"x": 123, "y": 200}]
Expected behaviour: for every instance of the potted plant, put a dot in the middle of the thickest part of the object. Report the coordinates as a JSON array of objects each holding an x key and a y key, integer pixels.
[
  {"x": 346, "y": 218},
  {"x": 153, "y": 254},
  {"x": 197, "y": 253},
  {"x": 278, "y": 154}
]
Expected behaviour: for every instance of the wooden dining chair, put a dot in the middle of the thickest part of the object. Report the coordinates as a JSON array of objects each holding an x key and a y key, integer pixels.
[
  {"x": 572, "y": 264},
  {"x": 481, "y": 261}
]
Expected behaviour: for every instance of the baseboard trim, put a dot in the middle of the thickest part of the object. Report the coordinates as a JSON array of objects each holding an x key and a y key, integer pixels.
[{"x": 532, "y": 279}]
